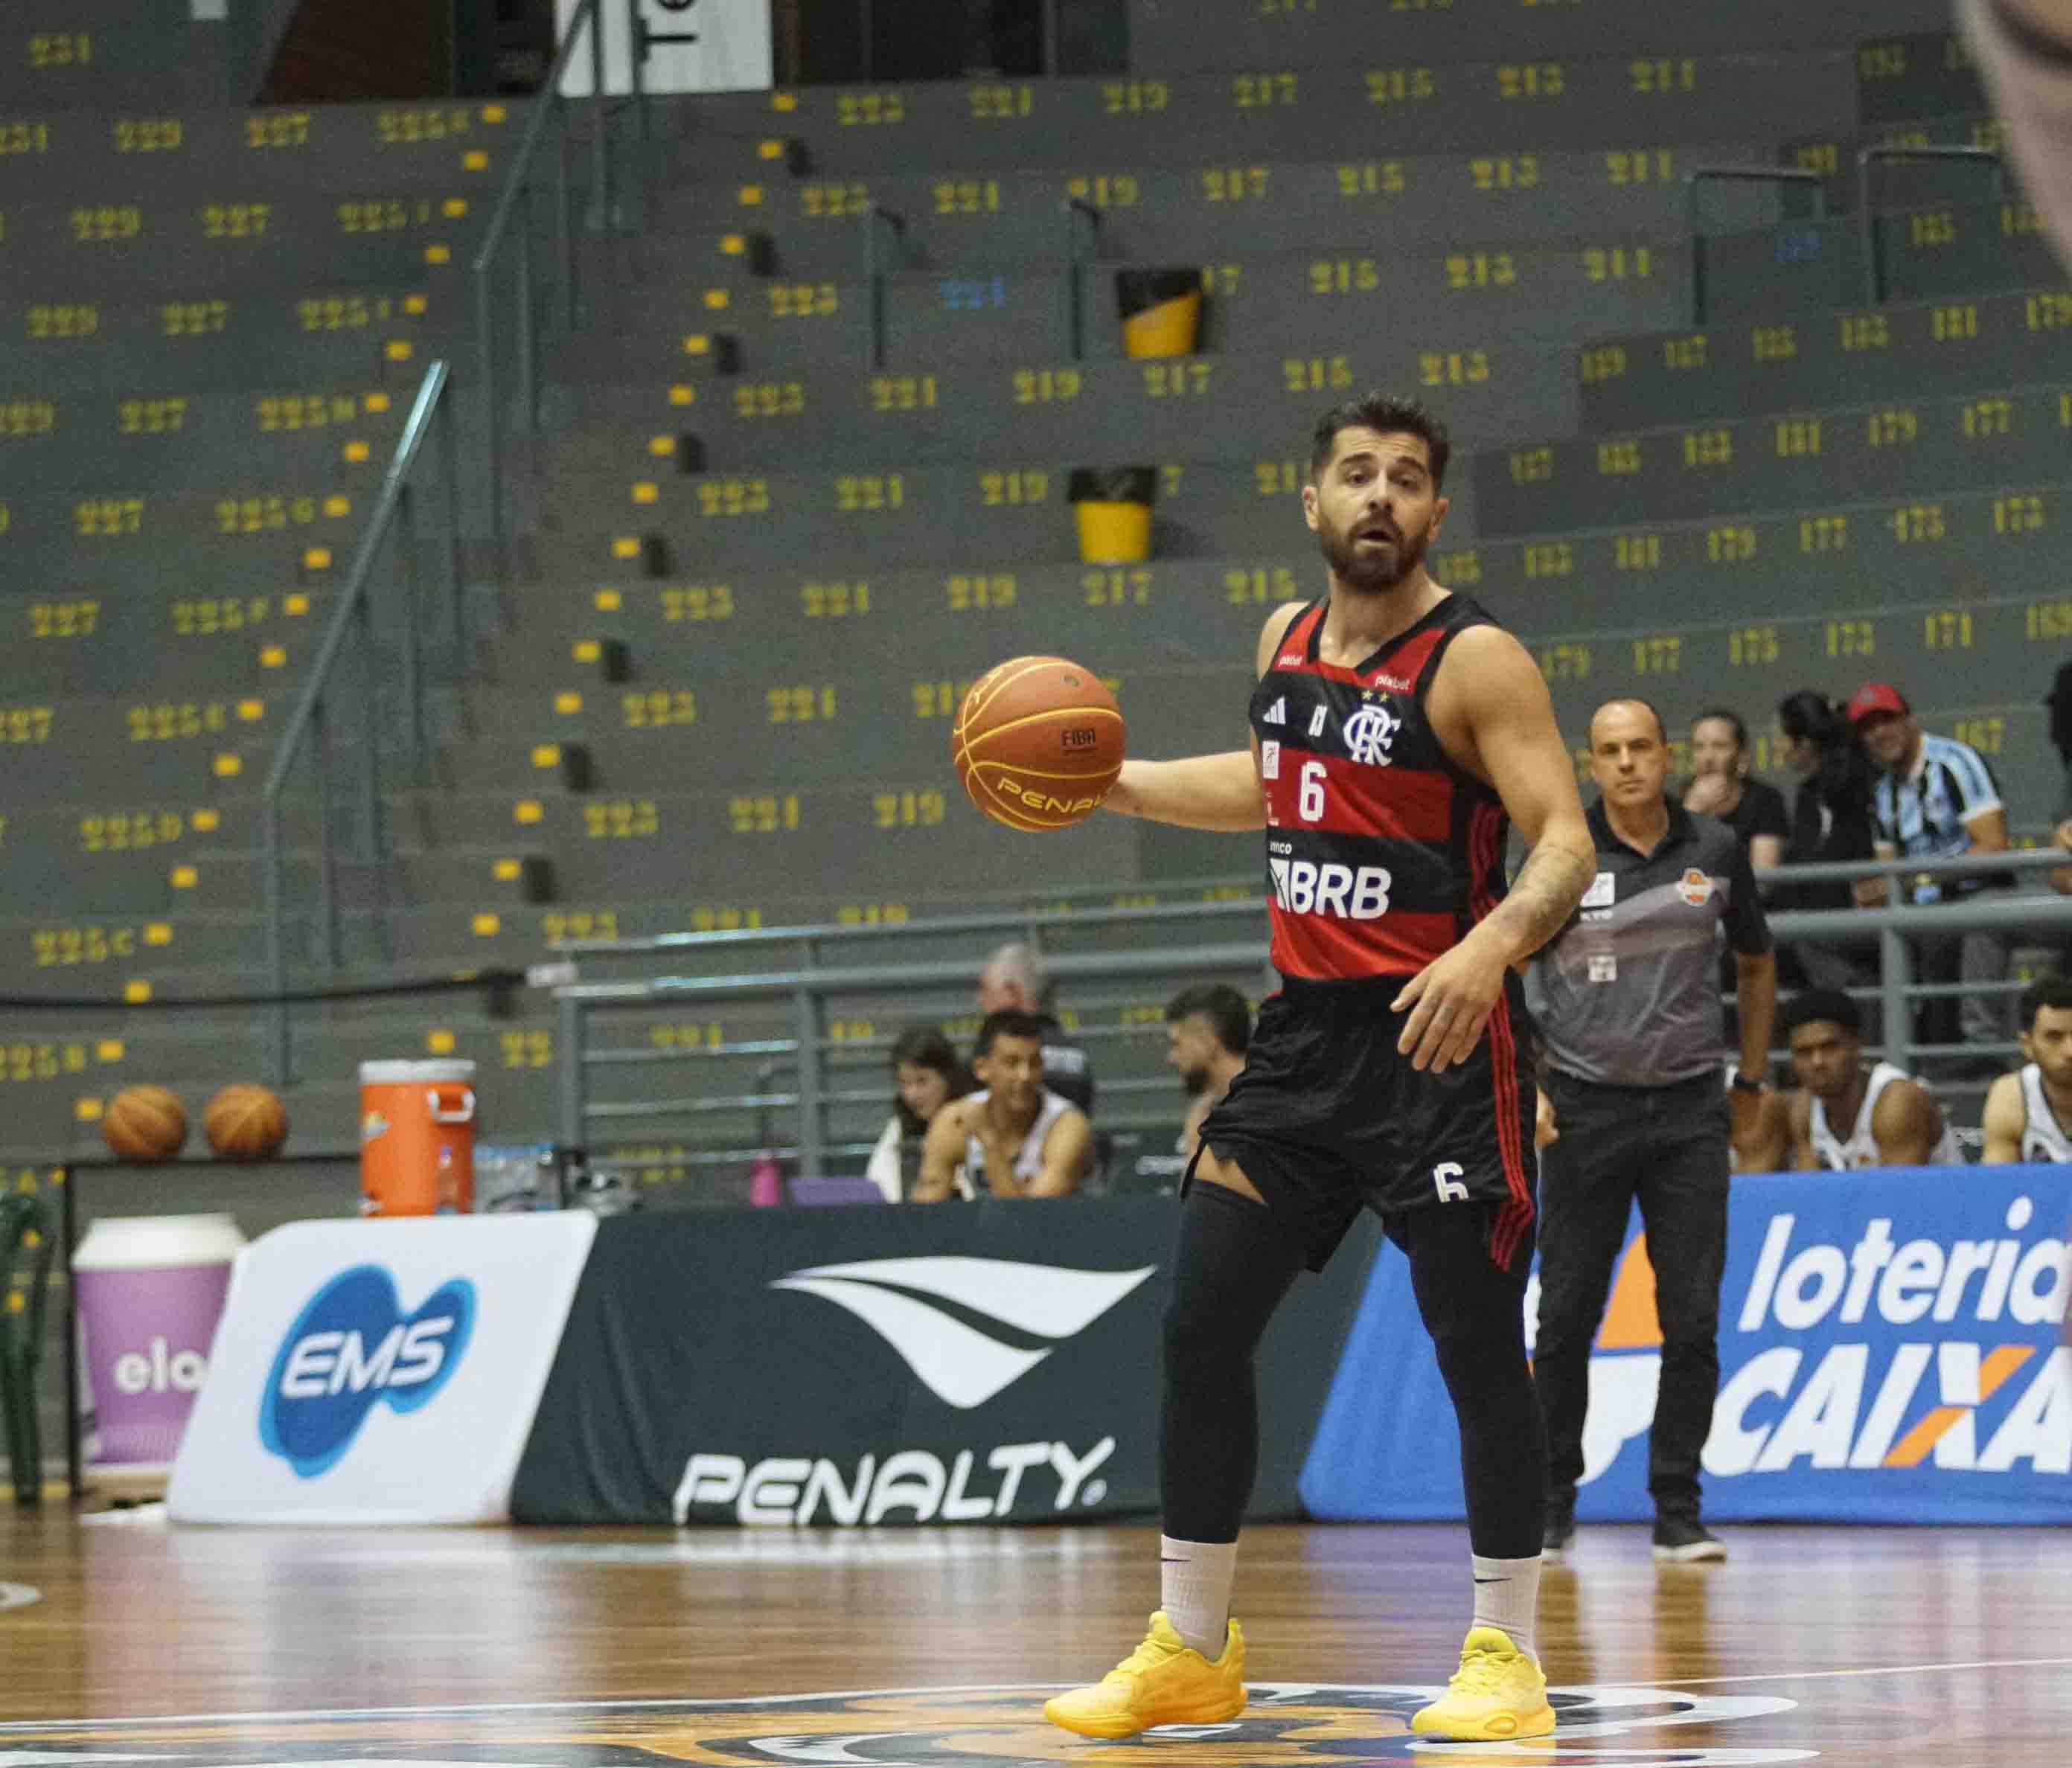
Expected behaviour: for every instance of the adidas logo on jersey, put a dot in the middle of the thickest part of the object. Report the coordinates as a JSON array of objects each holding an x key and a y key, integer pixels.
[{"x": 1276, "y": 713}]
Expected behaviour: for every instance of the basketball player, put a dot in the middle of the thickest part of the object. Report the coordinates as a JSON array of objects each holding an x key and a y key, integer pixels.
[
  {"x": 1014, "y": 1138},
  {"x": 1394, "y": 728},
  {"x": 1846, "y": 1116},
  {"x": 2028, "y": 1113}
]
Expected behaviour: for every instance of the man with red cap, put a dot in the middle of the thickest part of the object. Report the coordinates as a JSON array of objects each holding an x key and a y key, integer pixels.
[{"x": 1935, "y": 799}]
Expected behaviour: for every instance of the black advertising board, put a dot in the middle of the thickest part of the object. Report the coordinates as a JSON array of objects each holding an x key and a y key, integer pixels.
[{"x": 995, "y": 1362}]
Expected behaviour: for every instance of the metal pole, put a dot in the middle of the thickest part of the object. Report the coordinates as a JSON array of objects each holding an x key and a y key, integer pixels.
[
  {"x": 277, "y": 952},
  {"x": 569, "y": 1030},
  {"x": 327, "y": 860},
  {"x": 600, "y": 146},
  {"x": 370, "y": 740},
  {"x": 1895, "y": 972},
  {"x": 563, "y": 227},
  {"x": 413, "y": 684},
  {"x": 867, "y": 24},
  {"x": 492, "y": 427},
  {"x": 636, "y": 42},
  {"x": 449, "y": 418},
  {"x": 67, "y": 1239},
  {"x": 529, "y": 389},
  {"x": 811, "y": 1133},
  {"x": 1049, "y": 39}
]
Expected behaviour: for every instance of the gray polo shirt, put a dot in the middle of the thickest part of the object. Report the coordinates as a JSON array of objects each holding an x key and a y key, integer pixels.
[{"x": 1628, "y": 993}]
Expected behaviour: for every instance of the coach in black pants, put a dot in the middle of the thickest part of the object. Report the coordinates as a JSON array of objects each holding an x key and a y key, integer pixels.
[{"x": 1626, "y": 999}]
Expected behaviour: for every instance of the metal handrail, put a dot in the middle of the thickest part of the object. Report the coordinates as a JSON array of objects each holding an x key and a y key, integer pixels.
[
  {"x": 806, "y": 985},
  {"x": 1781, "y": 175},
  {"x": 584, "y": 26},
  {"x": 1074, "y": 207},
  {"x": 353, "y": 620},
  {"x": 1873, "y": 245},
  {"x": 874, "y": 278}
]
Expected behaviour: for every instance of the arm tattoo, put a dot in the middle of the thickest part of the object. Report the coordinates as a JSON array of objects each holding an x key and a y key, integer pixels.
[{"x": 1544, "y": 894}]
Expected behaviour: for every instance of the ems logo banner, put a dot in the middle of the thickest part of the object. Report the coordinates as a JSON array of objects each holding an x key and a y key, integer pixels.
[
  {"x": 861, "y": 1367},
  {"x": 1890, "y": 1350},
  {"x": 378, "y": 1372}
]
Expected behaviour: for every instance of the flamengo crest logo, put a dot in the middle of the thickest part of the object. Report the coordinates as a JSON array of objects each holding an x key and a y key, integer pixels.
[
  {"x": 1368, "y": 734},
  {"x": 956, "y": 1321}
]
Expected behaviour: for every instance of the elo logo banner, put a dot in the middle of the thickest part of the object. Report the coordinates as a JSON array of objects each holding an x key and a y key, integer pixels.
[
  {"x": 379, "y": 1372},
  {"x": 352, "y": 1349}
]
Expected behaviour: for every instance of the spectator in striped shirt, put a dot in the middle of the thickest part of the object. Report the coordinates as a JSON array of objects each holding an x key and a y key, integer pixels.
[{"x": 1935, "y": 799}]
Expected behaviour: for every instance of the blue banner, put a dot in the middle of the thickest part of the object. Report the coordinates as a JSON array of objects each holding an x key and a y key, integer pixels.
[{"x": 1889, "y": 1352}]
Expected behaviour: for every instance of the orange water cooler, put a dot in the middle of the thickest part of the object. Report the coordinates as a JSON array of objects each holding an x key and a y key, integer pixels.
[{"x": 416, "y": 1138}]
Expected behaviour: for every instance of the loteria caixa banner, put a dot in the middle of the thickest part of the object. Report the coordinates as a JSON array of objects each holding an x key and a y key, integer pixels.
[{"x": 1890, "y": 1350}]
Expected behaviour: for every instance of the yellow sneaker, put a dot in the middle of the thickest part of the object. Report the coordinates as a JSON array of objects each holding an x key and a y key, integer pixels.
[
  {"x": 1162, "y": 1683},
  {"x": 1497, "y": 1694}
]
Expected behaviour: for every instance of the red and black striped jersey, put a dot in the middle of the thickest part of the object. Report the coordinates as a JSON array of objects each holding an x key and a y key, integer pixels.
[{"x": 1381, "y": 851}]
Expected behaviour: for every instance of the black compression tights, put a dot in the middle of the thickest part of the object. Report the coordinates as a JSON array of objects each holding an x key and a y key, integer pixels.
[{"x": 1231, "y": 1267}]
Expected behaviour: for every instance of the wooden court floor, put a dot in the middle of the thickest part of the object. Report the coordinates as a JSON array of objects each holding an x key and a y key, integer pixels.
[{"x": 125, "y": 1640}]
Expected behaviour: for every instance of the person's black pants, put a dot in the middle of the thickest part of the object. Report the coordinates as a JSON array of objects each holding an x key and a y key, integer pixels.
[{"x": 1666, "y": 1146}]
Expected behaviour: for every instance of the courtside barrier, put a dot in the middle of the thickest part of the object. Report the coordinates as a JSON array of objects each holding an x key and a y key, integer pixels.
[
  {"x": 378, "y": 1372},
  {"x": 990, "y": 1362},
  {"x": 1889, "y": 1352}
]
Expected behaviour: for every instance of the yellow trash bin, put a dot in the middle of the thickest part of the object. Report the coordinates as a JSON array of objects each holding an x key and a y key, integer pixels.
[
  {"x": 1162, "y": 312},
  {"x": 1113, "y": 507}
]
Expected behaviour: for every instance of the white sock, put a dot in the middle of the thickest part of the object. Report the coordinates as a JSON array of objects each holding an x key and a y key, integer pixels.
[
  {"x": 1194, "y": 1586},
  {"x": 1507, "y": 1598}
]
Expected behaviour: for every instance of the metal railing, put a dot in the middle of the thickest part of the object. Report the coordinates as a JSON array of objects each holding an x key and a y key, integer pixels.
[
  {"x": 352, "y": 626},
  {"x": 1694, "y": 180},
  {"x": 1076, "y": 209},
  {"x": 511, "y": 221},
  {"x": 804, "y": 967},
  {"x": 1867, "y": 159},
  {"x": 875, "y": 217}
]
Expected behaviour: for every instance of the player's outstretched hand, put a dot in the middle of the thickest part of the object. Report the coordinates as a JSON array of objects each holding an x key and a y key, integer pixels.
[{"x": 1451, "y": 999}]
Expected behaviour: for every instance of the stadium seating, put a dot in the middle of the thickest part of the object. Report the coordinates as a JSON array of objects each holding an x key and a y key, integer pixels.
[{"x": 802, "y": 473}]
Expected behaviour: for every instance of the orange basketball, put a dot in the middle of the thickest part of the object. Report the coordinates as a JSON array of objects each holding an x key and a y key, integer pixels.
[
  {"x": 1038, "y": 742},
  {"x": 245, "y": 1122},
  {"x": 145, "y": 1125}
]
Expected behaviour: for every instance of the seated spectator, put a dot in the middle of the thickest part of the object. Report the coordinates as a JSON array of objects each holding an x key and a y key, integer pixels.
[
  {"x": 926, "y": 1076},
  {"x": 2028, "y": 1113},
  {"x": 1012, "y": 1138},
  {"x": 1935, "y": 798},
  {"x": 1208, "y": 1030},
  {"x": 1721, "y": 787},
  {"x": 1845, "y": 1116},
  {"x": 1831, "y": 822},
  {"x": 1014, "y": 978}
]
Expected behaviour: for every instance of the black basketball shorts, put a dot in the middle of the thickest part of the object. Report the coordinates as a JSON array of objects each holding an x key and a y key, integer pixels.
[{"x": 1326, "y": 1116}]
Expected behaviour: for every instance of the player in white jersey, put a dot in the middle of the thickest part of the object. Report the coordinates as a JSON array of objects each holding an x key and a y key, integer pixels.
[
  {"x": 1016, "y": 1138},
  {"x": 2028, "y": 1113},
  {"x": 1845, "y": 1116}
]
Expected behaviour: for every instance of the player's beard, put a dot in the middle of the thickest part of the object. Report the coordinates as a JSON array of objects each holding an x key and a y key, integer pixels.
[
  {"x": 1195, "y": 1081},
  {"x": 1376, "y": 571}
]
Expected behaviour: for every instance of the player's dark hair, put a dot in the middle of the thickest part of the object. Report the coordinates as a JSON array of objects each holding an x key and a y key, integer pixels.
[
  {"x": 1391, "y": 417},
  {"x": 1731, "y": 719},
  {"x": 925, "y": 1047},
  {"x": 1816, "y": 1004},
  {"x": 1222, "y": 1006},
  {"x": 2050, "y": 990},
  {"x": 1008, "y": 1022}
]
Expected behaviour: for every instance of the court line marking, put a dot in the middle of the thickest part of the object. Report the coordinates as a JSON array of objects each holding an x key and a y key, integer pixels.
[
  {"x": 31, "y": 1727},
  {"x": 1890, "y": 1670}
]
